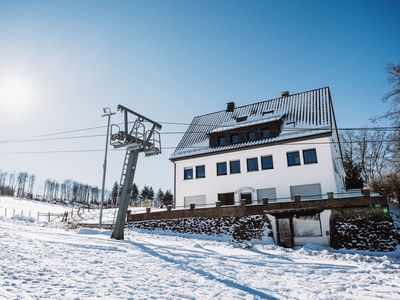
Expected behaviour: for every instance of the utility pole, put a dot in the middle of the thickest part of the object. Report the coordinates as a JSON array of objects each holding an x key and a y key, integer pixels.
[
  {"x": 107, "y": 113},
  {"x": 137, "y": 140}
]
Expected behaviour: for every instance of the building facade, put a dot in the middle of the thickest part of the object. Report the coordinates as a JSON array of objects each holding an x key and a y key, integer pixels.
[{"x": 273, "y": 149}]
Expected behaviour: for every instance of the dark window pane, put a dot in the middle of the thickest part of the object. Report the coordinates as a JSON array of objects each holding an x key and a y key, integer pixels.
[
  {"x": 310, "y": 156},
  {"x": 200, "y": 171},
  {"x": 221, "y": 141},
  {"x": 266, "y": 162},
  {"x": 234, "y": 139},
  {"x": 266, "y": 134},
  {"x": 235, "y": 166},
  {"x": 293, "y": 158},
  {"x": 251, "y": 136},
  {"x": 188, "y": 174},
  {"x": 226, "y": 198},
  {"x": 221, "y": 168},
  {"x": 252, "y": 164}
]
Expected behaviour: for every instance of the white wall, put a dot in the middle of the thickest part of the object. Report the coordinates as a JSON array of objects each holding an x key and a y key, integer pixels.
[{"x": 281, "y": 177}]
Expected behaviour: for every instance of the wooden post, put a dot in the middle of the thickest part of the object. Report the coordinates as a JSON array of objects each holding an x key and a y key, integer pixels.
[
  {"x": 218, "y": 204},
  {"x": 265, "y": 202},
  {"x": 366, "y": 193},
  {"x": 243, "y": 202},
  {"x": 192, "y": 206},
  {"x": 148, "y": 209},
  {"x": 169, "y": 207},
  {"x": 297, "y": 200}
]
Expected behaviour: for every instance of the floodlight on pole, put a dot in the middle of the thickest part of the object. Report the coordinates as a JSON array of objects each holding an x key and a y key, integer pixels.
[{"x": 107, "y": 113}]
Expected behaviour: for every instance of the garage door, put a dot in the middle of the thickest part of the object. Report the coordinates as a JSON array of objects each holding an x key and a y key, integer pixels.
[
  {"x": 199, "y": 200},
  {"x": 266, "y": 193},
  {"x": 308, "y": 191}
]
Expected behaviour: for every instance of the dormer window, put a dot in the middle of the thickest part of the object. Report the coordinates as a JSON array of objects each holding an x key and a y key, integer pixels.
[
  {"x": 251, "y": 136},
  {"x": 270, "y": 111},
  {"x": 266, "y": 133},
  {"x": 234, "y": 139},
  {"x": 241, "y": 119},
  {"x": 221, "y": 140}
]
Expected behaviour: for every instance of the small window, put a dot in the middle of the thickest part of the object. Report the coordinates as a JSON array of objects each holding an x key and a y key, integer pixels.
[
  {"x": 234, "y": 166},
  {"x": 234, "y": 138},
  {"x": 200, "y": 171},
  {"x": 266, "y": 133},
  {"x": 221, "y": 141},
  {"x": 252, "y": 164},
  {"x": 188, "y": 173},
  {"x": 251, "y": 136},
  {"x": 310, "y": 156},
  {"x": 266, "y": 162},
  {"x": 221, "y": 169},
  {"x": 293, "y": 158}
]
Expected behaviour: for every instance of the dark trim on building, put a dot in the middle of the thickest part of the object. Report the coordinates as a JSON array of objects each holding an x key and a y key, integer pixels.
[{"x": 325, "y": 134}]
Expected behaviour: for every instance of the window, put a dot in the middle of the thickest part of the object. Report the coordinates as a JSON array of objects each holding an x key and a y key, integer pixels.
[
  {"x": 251, "y": 136},
  {"x": 310, "y": 156},
  {"x": 200, "y": 171},
  {"x": 221, "y": 141},
  {"x": 226, "y": 198},
  {"x": 266, "y": 162},
  {"x": 266, "y": 134},
  {"x": 234, "y": 166},
  {"x": 221, "y": 168},
  {"x": 293, "y": 158},
  {"x": 234, "y": 138},
  {"x": 188, "y": 173},
  {"x": 252, "y": 164}
]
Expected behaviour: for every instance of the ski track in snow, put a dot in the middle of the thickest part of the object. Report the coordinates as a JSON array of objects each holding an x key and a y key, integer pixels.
[{"x": 39, "y": 262}]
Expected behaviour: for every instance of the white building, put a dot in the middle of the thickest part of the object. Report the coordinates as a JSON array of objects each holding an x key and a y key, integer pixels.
[{"x": 273, "y": 149}]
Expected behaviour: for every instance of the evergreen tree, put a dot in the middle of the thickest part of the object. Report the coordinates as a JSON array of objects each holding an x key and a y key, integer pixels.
[
  {"x": 160, "y": 197},
  {"x": 114, "y": 193},
  {"x": 168, "y": 198},
  {"x": 353, "y": 173},
  {"x": 134, "y": 194},
  {"x": 144, "y": 194}
]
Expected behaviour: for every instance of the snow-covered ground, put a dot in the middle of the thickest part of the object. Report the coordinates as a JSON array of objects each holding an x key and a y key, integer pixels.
[{"x": 39, "y": 261}]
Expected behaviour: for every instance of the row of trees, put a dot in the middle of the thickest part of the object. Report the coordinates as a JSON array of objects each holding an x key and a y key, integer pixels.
[
  {"x": 145, "y": 197},
  {"x": 372, "y": 156},
  {"x": 19, "y": 184}
]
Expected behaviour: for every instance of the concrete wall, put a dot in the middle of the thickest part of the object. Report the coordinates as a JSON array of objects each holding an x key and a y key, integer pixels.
[{"x": 280, "y": 177}]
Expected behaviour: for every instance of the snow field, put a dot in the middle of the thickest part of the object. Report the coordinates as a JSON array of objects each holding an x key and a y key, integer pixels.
[{"x": 39, "y": 262}]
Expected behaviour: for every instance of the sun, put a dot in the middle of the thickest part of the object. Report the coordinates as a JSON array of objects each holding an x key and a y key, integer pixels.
[{"x": 16, "y": 94}]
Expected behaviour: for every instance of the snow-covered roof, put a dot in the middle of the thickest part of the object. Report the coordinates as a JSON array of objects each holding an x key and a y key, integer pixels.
[{"x": 306, "y": 114}]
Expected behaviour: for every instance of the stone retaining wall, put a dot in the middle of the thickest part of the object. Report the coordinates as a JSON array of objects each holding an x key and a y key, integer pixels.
[
  {"x": 363, "y": 229},
  {"x": 237, "y": 229}
]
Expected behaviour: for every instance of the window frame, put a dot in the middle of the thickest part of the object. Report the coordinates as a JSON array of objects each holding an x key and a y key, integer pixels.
[
  {"x": 248, "y": 136},
  {"x": 184, "y": 173},
  {"x": 234, "y": 135},
  {"x": 304, "y": 157},
  {"x": 230, "y": 166},
  {"x": 264, "y": 130},
  {"x": 219, "y": 140},
  {"x": 272, "y": 162},
  {"x": 252, "y": 159},
  {"x": 226, "y": 168},
  {"x": 287, "y": 158},
  {"x": 197, "y": 173}
]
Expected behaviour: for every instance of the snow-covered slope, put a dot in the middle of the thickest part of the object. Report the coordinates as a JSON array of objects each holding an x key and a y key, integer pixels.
[{"x": 55, "y": 263}]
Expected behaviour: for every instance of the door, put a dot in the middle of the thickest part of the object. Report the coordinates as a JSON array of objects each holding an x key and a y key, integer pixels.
[
  {"x": 247, "y": 197},
  {"x": 285, "y": 235}
]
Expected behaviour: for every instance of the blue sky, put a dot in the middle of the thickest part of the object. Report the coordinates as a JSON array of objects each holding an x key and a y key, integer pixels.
[{"x": 173, "y": 60}]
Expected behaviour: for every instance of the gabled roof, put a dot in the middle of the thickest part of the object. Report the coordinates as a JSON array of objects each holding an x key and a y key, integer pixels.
[{"x": 305, "y": 114}]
